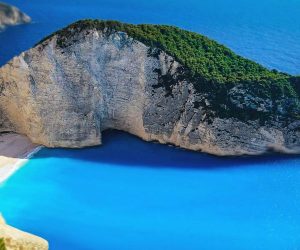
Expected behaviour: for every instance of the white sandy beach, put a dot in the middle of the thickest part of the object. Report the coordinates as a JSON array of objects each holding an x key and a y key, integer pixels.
[{"x": 15, "y": 150}]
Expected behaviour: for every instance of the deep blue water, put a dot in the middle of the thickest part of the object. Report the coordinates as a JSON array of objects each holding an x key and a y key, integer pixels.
[
  {"x": 129, "y": 194},
  {"x": 267, "y": 31}
]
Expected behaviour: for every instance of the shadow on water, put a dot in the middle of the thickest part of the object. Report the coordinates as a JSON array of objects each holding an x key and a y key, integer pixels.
[{"x": 120, "y": 148}]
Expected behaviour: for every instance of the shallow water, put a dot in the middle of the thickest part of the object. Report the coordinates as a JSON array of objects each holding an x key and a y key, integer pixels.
[{"x": 130, "y": 194}]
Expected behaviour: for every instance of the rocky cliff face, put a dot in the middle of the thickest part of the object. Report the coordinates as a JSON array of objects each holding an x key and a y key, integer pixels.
[
  {"x": 65, "y": 96},
  {"x": 13, "y": 239},
  {"x": 10, "y": 15}
]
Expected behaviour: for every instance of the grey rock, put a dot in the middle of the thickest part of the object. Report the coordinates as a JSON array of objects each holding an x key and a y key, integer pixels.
[
  {"x": 10, "y": 15},
  {"x": 65, "y": 97}
]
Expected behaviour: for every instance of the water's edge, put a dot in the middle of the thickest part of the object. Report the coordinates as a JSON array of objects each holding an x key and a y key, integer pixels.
[{"x": 7, "y": 171}]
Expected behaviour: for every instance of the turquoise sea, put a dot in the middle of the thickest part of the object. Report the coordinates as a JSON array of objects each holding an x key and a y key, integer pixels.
[{"x": 129, "y": 194}]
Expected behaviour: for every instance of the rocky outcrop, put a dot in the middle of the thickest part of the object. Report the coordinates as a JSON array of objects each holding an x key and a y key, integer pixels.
[
  {"x": 65, "y": 96},
  {"x": 14, "y": 239},
  {"x": 10, "y": 15}
]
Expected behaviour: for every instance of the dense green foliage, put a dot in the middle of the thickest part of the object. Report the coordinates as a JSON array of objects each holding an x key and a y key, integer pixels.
[{"x": 207, "y": 61}]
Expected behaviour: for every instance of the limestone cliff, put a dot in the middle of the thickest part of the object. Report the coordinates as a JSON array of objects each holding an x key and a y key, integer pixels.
[
  {"x": 14, "y": 239},
  {"x": 64, "y": 93},
  {"x": 10, "y": 15}
]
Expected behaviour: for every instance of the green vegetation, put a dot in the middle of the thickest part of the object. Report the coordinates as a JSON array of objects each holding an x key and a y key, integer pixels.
[
  {"x": 2, "y": 245},
  {"x": 212, "y": 67}
]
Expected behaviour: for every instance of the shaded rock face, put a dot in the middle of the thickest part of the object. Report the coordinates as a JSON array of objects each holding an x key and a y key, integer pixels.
[
  {"x": 10, "y": 15},
  {"x": 12, "y": 239},
  {"x": 66, "y": 96}
]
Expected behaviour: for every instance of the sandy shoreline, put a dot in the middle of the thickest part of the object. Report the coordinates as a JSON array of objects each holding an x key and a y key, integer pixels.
[{"x": 15, "y": 150}]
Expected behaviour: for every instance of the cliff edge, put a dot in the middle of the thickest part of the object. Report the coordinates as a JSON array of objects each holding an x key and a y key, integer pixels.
[
  {"x": 157, "y": 82},
  {"x": 13, "y": 239},
  {"x": 10, "y": 15}
]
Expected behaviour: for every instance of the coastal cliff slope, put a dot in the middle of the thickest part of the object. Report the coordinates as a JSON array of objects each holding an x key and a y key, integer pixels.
[
  {"x": 157, "y": 82},
  {"x": 13, "y": 239},
  {"x": 10, "y": 15}
]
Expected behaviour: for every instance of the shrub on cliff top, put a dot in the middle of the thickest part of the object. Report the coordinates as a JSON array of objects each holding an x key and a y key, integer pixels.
[{"x": 205, "y": 59}]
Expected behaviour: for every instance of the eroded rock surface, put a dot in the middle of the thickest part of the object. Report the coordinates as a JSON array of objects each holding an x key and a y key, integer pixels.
[
  {"x": 10, "y": 15},
  {"x": 65, "y": 96},
  {"x": 14, "y": 239}
]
